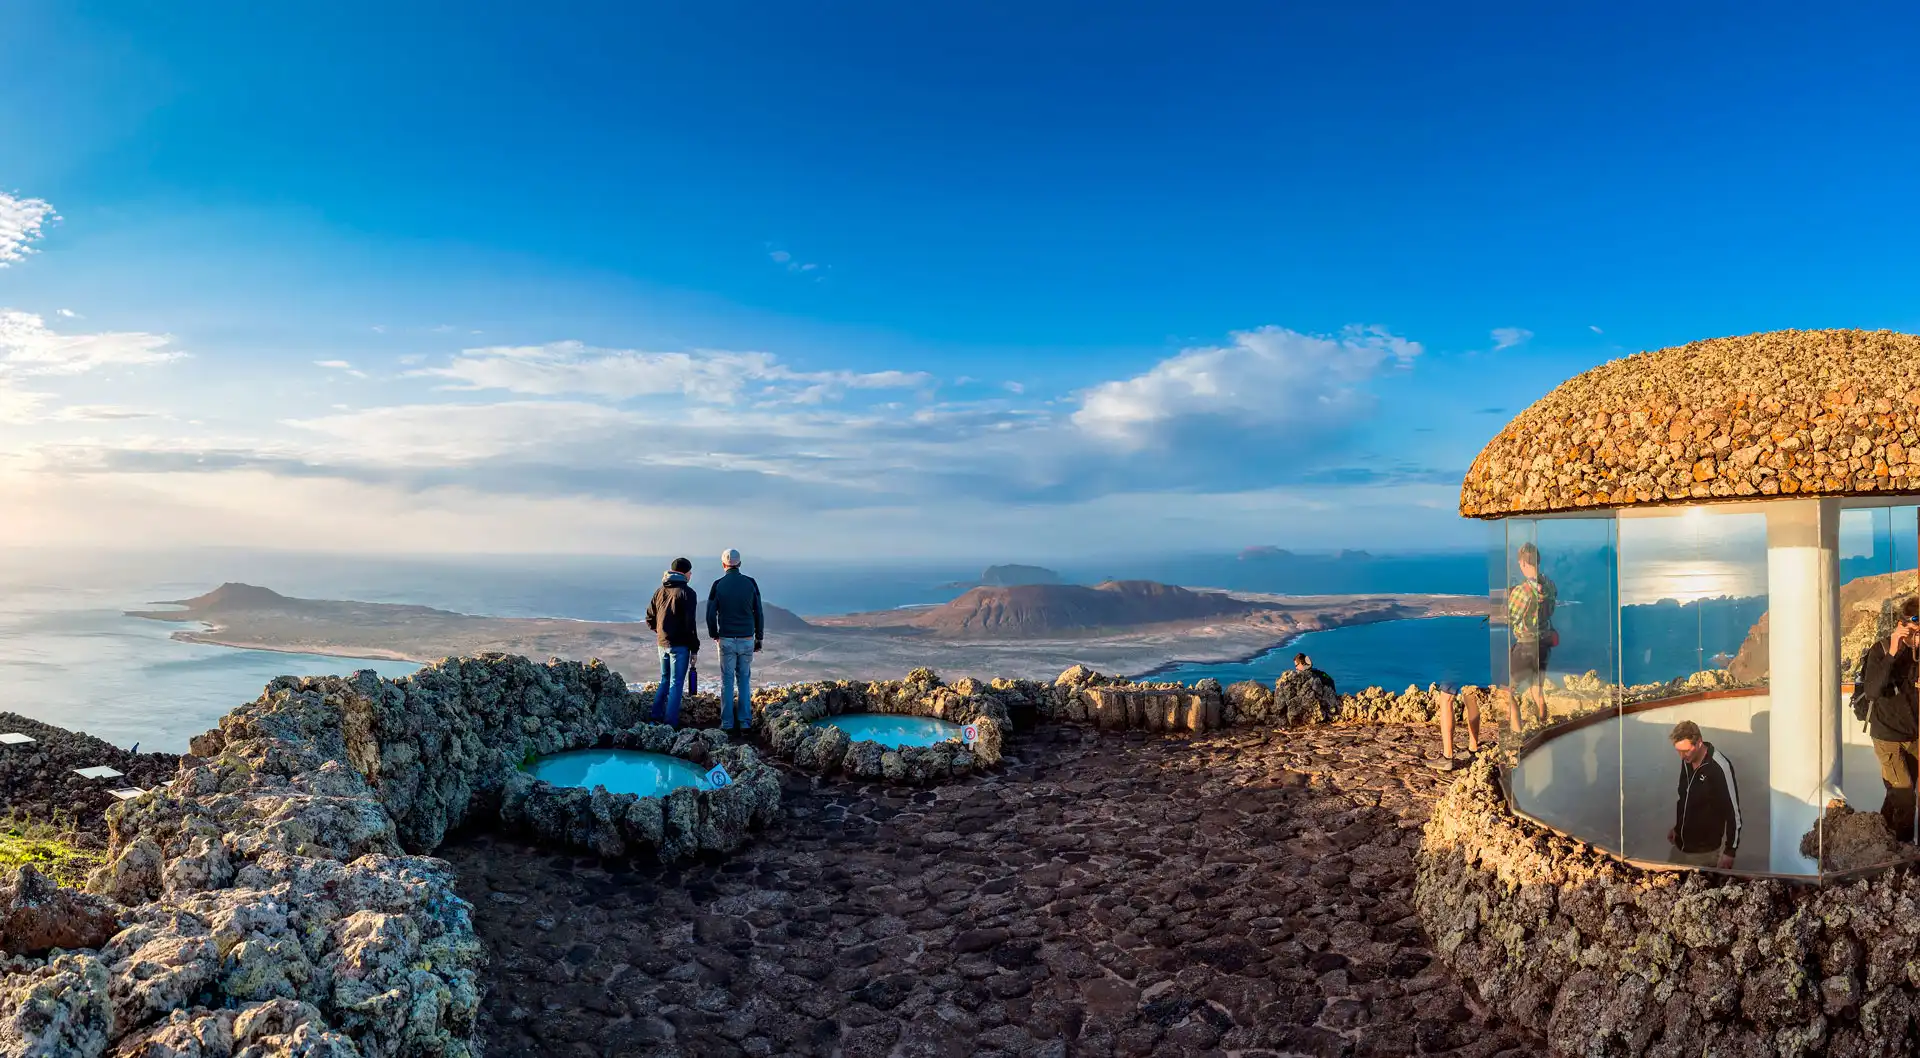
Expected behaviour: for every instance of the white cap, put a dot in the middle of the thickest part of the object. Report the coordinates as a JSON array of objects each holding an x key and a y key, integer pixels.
[{"x": 729, "y": 558}]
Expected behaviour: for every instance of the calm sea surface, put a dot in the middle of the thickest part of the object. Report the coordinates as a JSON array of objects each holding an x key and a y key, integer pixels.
[
  {"x": 69, "y": 656},
  {"x": 1391, "y": 654}
]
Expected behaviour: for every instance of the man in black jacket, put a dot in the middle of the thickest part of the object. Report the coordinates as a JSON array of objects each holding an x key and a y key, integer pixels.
[
  {"x": 1706, "y": 813},
  {"x": 735, "y": 622},
  {"x": 1884, "y": 696},
  {"x": 674, "y": 617}
]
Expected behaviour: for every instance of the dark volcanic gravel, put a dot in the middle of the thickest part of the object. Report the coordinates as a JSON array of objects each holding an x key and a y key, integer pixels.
[
  {"x": 1231, "y": 894},
  {"x": 37, "y": 779}
]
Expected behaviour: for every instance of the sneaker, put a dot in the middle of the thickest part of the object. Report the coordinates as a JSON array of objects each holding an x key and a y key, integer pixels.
[{"x": 1444, "y": 765}]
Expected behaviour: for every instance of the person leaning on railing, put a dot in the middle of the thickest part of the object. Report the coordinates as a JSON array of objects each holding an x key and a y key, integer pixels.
[{"x": 1885, "y": 697}]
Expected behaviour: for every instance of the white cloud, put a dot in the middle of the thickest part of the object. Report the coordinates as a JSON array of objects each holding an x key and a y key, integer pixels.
[
  {"x": 1595, "y": 329},
  {"x": 67, "y": 314},
  {"x": 22, "y": 222},
  {"x": 29, "y": 347},
  {"x": 708, "y": 376},
  {"x": 18, "y": 405},
  {"x": 566, "y": 426},
  {"x": 1270, "y": 377},
  {"x": 786, "y": 259},
  {"x": 101, "y": 413},
  {"x": 1508, "y": 337}
]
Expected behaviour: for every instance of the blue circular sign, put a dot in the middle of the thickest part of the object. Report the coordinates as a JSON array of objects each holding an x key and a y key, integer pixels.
[{"x": 718, "y": 777}]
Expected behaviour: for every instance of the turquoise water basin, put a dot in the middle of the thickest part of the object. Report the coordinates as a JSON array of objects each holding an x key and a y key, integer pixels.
[
  {"x": 620, "y": 771},
  {"x": 892, "y": 731}
]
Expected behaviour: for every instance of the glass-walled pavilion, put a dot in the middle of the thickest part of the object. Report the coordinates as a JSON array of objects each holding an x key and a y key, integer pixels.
[{"x": 1748, "y": 619}]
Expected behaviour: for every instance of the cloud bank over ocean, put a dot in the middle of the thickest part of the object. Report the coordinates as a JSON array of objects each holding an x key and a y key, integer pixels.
[{"x": 564, "y": 445}]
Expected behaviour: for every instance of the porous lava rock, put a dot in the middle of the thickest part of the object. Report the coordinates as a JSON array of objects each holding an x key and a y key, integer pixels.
[
  {"x": 1846, "y": 840},
  {"x": 789, "y": 717},
  {"x": 278, "y": 899},
  {"x": 1604, "y": 958},
  {"x": 1785, "y": 413},
  {"x": 1302, "y": 698},
  {"x": 623, "y": 824},
  {"x": 36, "y": 915}
]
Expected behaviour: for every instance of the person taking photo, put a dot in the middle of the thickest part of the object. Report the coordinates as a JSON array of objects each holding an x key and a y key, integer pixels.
[{"x": 1884, "y": 696}]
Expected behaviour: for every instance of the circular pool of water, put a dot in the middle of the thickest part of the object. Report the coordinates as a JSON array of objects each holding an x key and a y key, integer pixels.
[
  {"x": 891, "y": 730},
  {"x": 629, "y": 771}
]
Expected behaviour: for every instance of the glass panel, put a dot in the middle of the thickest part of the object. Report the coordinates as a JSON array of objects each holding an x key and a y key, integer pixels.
[
  {"x": 1560, "y": 664},
  {"x": 1497, "y": 622},
  {"x": 1693, "y": 593},
  {"x": 1876, "y": 559}
]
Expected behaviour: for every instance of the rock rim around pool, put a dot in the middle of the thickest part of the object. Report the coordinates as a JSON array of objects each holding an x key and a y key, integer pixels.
[
  {"x": 680, "y": 824},
  {"x": 280, "y": 896},
  {"x": 794, "y": 734}
]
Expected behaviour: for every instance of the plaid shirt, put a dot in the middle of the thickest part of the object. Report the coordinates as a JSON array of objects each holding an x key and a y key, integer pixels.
[{"x": 1530, "y": 609}]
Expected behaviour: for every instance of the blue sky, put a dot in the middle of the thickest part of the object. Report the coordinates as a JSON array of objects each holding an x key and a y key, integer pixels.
[{"x": 986, "y": 280}]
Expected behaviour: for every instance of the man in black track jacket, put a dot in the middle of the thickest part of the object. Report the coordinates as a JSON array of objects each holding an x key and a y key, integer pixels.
[{"x": 1706, "y": 812}]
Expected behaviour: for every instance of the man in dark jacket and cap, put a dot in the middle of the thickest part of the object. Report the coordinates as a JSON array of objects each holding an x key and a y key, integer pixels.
[
  {"x": 674, "y": 617},
  {"x": 735, "y": 621}
]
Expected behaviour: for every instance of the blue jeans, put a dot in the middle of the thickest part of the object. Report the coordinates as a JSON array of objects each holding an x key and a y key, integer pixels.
[
  {"x": 736, "y": 676},
  {"x": 673, "y": 677}
]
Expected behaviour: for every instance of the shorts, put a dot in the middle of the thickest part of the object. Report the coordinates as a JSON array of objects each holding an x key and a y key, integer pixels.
[{"x": 1527, "y": 664}]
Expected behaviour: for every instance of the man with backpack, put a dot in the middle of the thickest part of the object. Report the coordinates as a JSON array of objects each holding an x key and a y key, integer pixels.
[
  {"x": 1530, "y": 605},
  {"x": 673, "y": 616},
  {"x": 1884, "y": 696}
]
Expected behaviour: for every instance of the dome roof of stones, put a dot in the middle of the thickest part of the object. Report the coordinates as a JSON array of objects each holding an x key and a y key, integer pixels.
[{"x": 1807, "y": 413}]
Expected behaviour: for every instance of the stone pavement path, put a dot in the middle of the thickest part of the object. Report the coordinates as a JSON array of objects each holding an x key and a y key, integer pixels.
[{"x": 1238, "y": 893}]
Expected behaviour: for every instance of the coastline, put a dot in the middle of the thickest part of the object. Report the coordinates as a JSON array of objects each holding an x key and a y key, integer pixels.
[
  {"x": 297, "y": 648},
  {"x": 1161, "y": 670}
]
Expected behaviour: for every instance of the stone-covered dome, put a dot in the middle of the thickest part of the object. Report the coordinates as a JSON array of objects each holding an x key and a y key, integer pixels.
[{"x": 1823, "y": 413}]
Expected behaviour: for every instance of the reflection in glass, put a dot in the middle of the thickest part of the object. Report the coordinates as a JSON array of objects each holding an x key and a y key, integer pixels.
[
  {"x": 1636, "y": 651},
  {"x": 1558, "y": 607},
  {"x": 1693, "y": 595},
  {"x": 1879, "y": 726}
]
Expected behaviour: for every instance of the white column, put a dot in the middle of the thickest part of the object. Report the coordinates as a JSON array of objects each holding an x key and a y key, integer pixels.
[{"x": 1803, "y": 607}]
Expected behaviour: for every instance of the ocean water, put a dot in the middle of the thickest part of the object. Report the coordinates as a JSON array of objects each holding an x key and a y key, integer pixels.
[
  {"x": 69, "y": 655},
  {"x": 1390, "y": 654}
]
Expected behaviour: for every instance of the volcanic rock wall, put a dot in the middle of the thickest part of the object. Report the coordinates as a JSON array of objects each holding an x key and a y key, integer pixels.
[
  {"x": 266, "y": 898},
  {"x": 1606, "y": 959}
]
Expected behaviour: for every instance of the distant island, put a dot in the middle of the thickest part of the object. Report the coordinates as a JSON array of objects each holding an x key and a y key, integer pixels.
[
  {"x": 1025, "y": 630},
  {"x": 1007, "y": 576}
]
